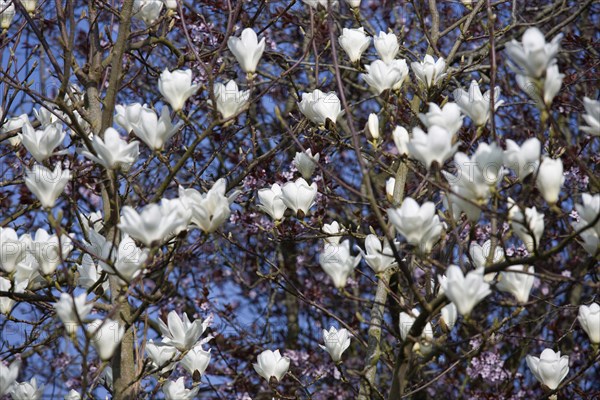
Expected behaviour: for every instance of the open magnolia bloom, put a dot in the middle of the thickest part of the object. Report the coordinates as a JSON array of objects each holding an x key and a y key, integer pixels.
[
  {"x": 112, "y": 152},
  {"x": 519, "y": 284},
  {"x": 42, "y": 143},
  {"x": 6, "y": 303},
  {"x": 8, "y": 375},
  {"x": 271, "y": 202},
  {"x": 181, "y": 333},
  {"x": 89, "y": 273},
  {"x": 528, "y": 226},
  {"x": 419, "y": 225},
  {"x": 106, "y": 336},
  {"x": 550, "y": 368},
  {"x": 387, "y": 46},
  {"x": 162, "y": 355},
  {"x": 27, "y": 390},
  {"x": 448, "y": 116},
  {"x": 465, "y": 291},
  {"x": 406, "y": 322},
  {"x": 591, "y": 116},
  {"x": 209, "y": 210},
  {"x": 306, "y": 163},
  {"x": 587, "y": 214},
  {"x": 128, "y": 116},
  {"x": 176, "y": 87},
  {"x": 247, "y": 49},
  {"x": 175, "y": 390},
  {"x": 334, "y": 232},
  {"x": 338, "y": 263},
  {"x": 523, "y": 159},
  {"x": 378, "y": 257},
  {"x": 196, "y": 360},
  {"x": 336, "y": 342},
  {"x": 323, "y": 3},
  {"x": 476, "y": 105},
  {"x": 47, "y": 185},
  {"x": 480, "y": 255},
  {"x": 271, "y": 364},
  {"x": 354, "y": 42},
  {"x": 12, "y": 249},
  {"x": 433, "y": 146},
  {"x": 320, "y": 107},
  {"x": 147, "y": 10},
  {"x": 381, "y": 76},
  {"x": 430, "y": 71},
  {"x": 49, "y": 250},
  {"x": 72, "y": 310},
  {"x": 155, "y": 131},
  {"x": 13, "y": 124},
  {"x": 230, "y": 100},
  {"x": 533, "y": 55},
  {"x": 299, "y": 195}
]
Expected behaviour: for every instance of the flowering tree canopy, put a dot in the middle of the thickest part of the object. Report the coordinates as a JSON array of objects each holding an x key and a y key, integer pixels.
[{"x": 299, "y": 199}]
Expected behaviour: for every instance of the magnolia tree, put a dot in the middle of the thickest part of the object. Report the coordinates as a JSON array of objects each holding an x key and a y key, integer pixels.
[{"x": 299, "y": 199}]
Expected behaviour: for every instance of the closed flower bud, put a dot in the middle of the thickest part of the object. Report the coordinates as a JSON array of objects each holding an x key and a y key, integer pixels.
[
  {"x": 7, "y": 13},
  {"x": 271, "y": 364},
  {"x": 354, "y": 42},
  {"x": 230, "y": 100},
  {"x": 381, "y": 76},
  {"x": 299, "y": 196},
  {"x": 306, "y": 163},
  {"x": 196, "y": 360},
  {"x": 449, "y": 316},
  {"x": 387, "y": 46},
  {"x": 550, "y": 179},
  {"x": 247, "y": 49},
  {"x": 271, "y": 202},
  {"x": 372, "y": 126},
  {"x": 106, "y": 336},
  {"x": 589, "y": 318},
  {"x": 401, "y": 139}
]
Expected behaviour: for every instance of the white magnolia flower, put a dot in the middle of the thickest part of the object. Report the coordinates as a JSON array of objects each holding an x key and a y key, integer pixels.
[
  {"x": 550, "y": 179},
  {"x": 447, "y": 117},
  {"x": 338, "y": 263},
  {"x": 162, "y": 355},
  {"x": 176, "y": 87},
  {"x": 112, "y": 152},
  {"x": 529, "y": 226},
  {"x": 271, "y": 202},
  {"x": 181, "y": 333},
  {"x": 72, "y": 310},
  {"x": 477, "y": 105},
  {"x": 12, "y": 124},
  {"x": 550, "y": 368},
  {"x": 522, "y": 159},
  {"x": 406, "y": 322},
  {"x": 170, "y": 4},
  {"x": 230, "y": 100},
  {"x": 299, "y": 195},
  {"x": 381, "y": 76},
  {"x": 175, "y": 390},
  {"x": 587, "y": 213},
  {"x": 6, "y": 303},
  {"x": 552, "y": 83},
  {"x": 336, "y": 342},
  {"x": 47, "y": 114},
  {"x": 464, "y": 291},
  {"x": 129, "y": 116},
  {"x": 419, "y": 225},
  {"x": 42, "y": 143},
  {"x": 12, "y": 250},
  {"x": 401, "y": 139},
  {"x": 517, "y": 283},
  {"x": 155, "y": 131},
  {"x": 50, "y": 250},
  {"x": 449, "y": 315},
  {"x": 47, "y": 185},
  {"x": 319, "y": 107},
  {"x": 196, "y": 360},
  {"x": 154, "y": 224},
  {"x": 387, "y": 46},
  {"x": 480, "y": 255},
  {"x": 379, "y": 257},
  {"x": 589, "y": 318},
  {"x": 27, "y": 390},
  {"x": 72, "y": 395},
  {"x": 354, "y": 42},
  {"x": 353, "y": 3},
  {"x": 306, "y": 163},
  {"x": 271, "y": 364},
  {"x": 591, "y": 116},
  {"x": 105, "y": 336},
  {"x": 209, "y": 210},
  {"x": 533, "y": 55},
  {"x": 7, "y": 14},
  {"x": 147, "y": 10},
  {"x": 28, "y": 271},
  {"x": 323, "y": 3},
  {"x": 489, "y": 160},
  {"x": 8, "y": 374},
  {"x": 435, "y": 145},
  {"x": 247, "y": 49},
  {"x": 334, "y": 232},
  {"x": 89, "y": 274},
  {"x": 429, "y": 72}
]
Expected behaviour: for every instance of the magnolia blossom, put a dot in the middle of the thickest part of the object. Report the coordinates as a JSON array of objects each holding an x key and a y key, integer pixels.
[
  {"x": 181, "y": 333},
  {"x": 522, "y": 159},
  {"x": 352, "y": 3},
  {"x": 13, "y": 124},
  {"x": 589, "y": 318},
  {"x": 155, "y": 131},
  {"x": 72, "y": 395},
  {"x": 517, "y": 283},
  {"x": 27, "y": 390},
  {"x": 247, "y": 49},
  {"x": 372, "y": 126},
  {"x": 6, "y": 303},
  {"x": 429, "y": 72},
  {"x": 435, "y": 145},
  {"x": 379, "y": 257},
  {"x": 552, "y": 83},
  {"x": 533, "y": 55},
  {"x": 401, "y": 139},
  {"x": 12, "y": 250},
  {"x": 196, "y": 360},
  {"x": 230, "y": 100},
  {"x": 338, "y": 263},
  {"x": 147, "y": 10},
  {"x": 464, "y": 291},
  {"x": 298, "y": 195},
  {"x": 49, "y": 250},
  {"x": 7, "y": 14},
  {"x": 449, "y": 316},
  {"x": 47, "y": 114},
  {"x": 153, "y": 224},
  {"x": 162, "y": 355},
  {"x": 72, "y": 310},
  {"x": 406, "y": 322},
  {"x": 306, "y": 163},
  {"x": 106, "y": 336},
  {"x": 419, "y": 225},
  {"x": 550, "y": 179},
  {"x": 480, "y": 255},
  {"x": 381, "y": 76},
  {"x": 334, "y": 232},
  {"x": 176, "y": 87},
  {"x": 319, "y": 107},
  {"x": 47, "y": 185},
  {"x": 271, "y": 202},
  {"x": 42, "y": 143},
  {"x": 477, "y": 105},
  {"x": 354, "y": 42},
  {"x": 112, "y": 152},
  {"x": 336, "y": 342},
  {"x": 271, "y": 364},
  {"x": 323, "y": 3},
  {"x": 550, "y": 368},
  {"x": 447, "y": 117},
  {"x": 387, "y": 46},
  {"x": 209, "y": 210},
  {"x": 129, "y": 116},
  {"x": 489, "y": 160},
  {"x": 529, "y": 226},
  {"x": 89, "y": 274},
  {"x": 587, "y": 214},
  {"x": 8, "y": 374},
  {"x": 591, "y": 116},
  {"x": 170, "y": 4},
  {"x": 175, "y": 390}
]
